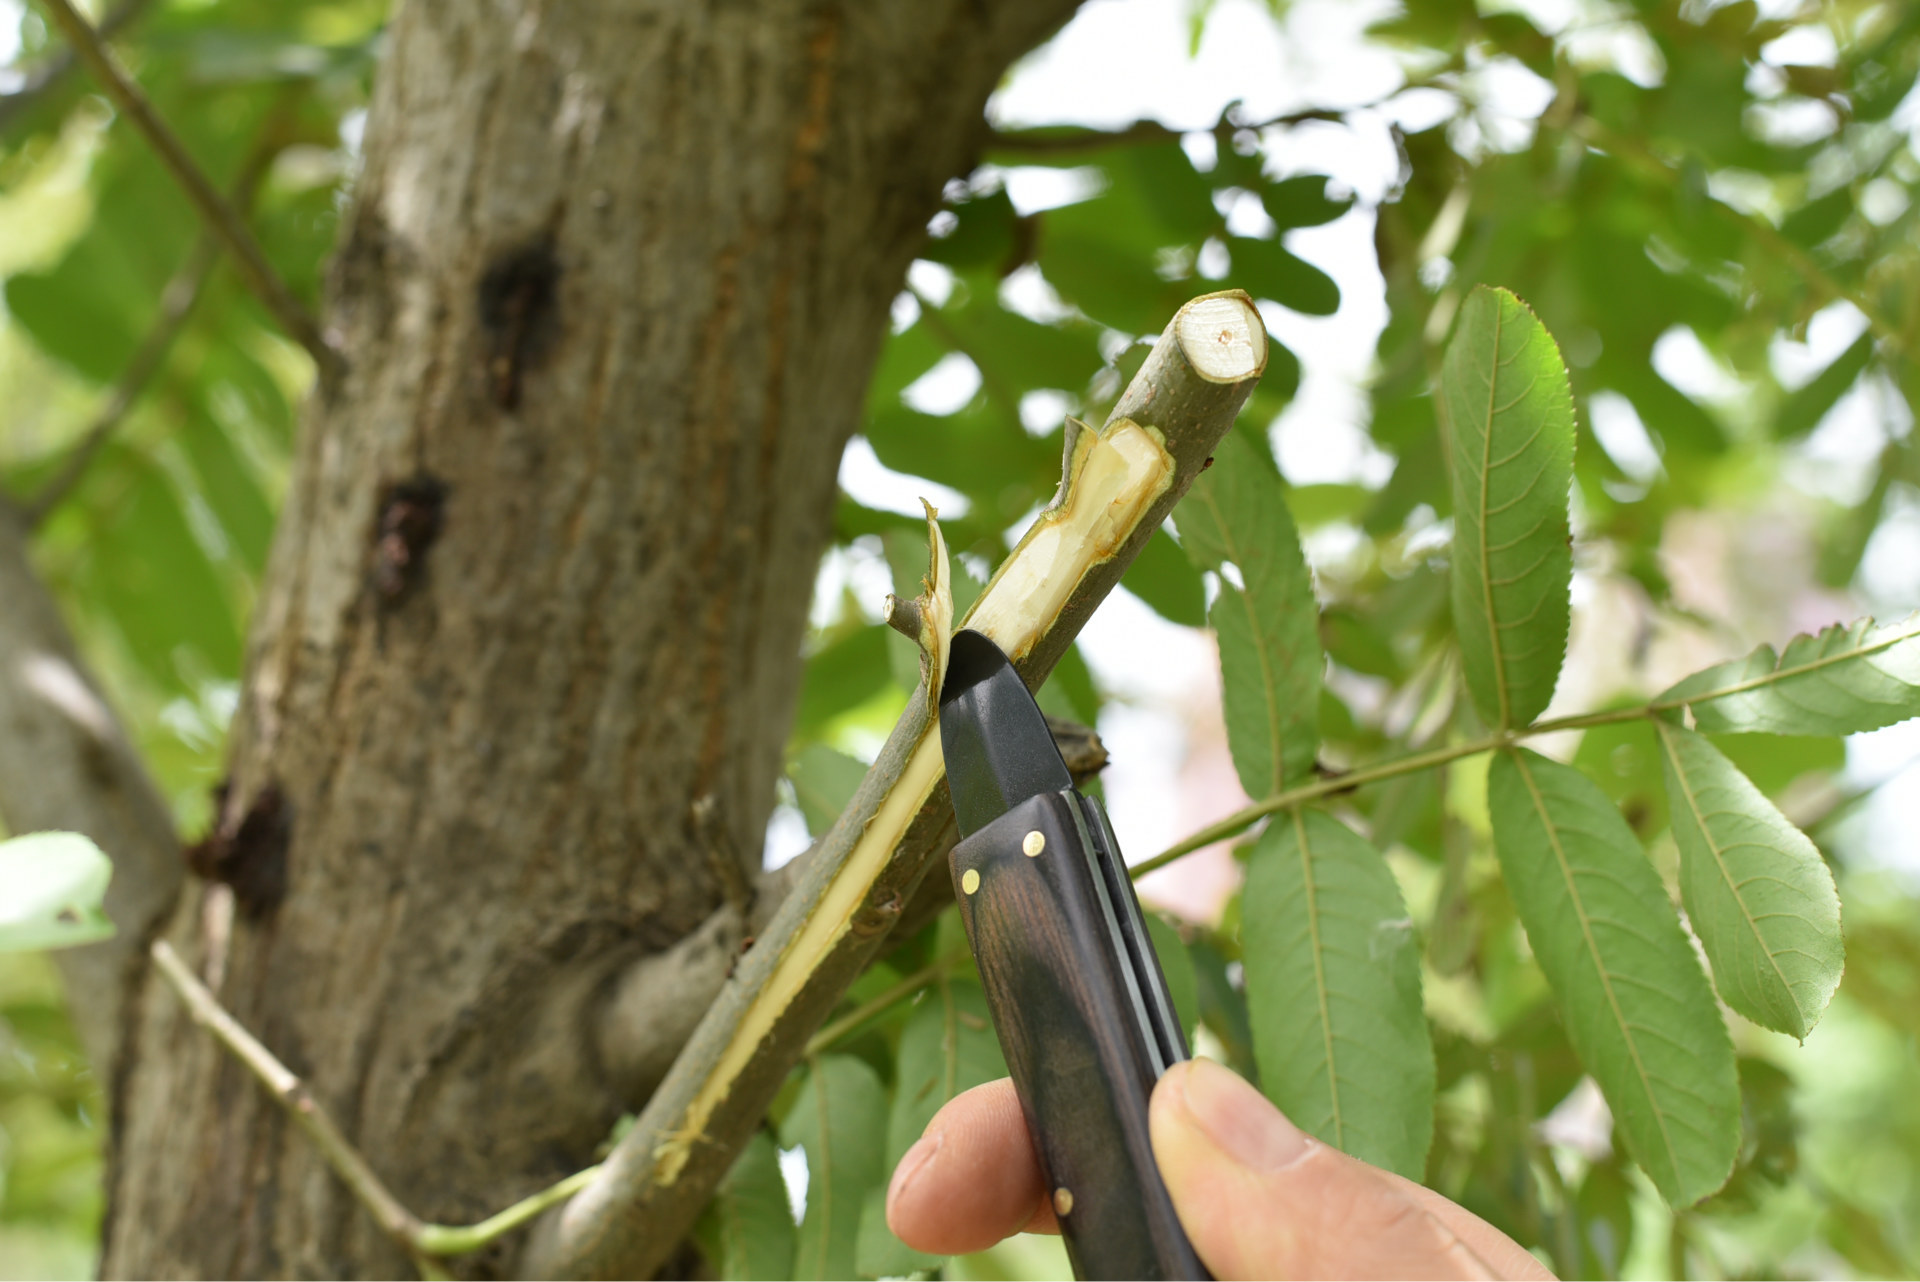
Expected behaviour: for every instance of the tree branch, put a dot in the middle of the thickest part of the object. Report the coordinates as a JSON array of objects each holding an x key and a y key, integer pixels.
[
  {"x": 65, "y": 763},
  {"x": 1051, "y": 140},
  {"x": 52, "y": 73},
  {"x": 1118, "y": 488},
  {"x": 219, "y": 216}
]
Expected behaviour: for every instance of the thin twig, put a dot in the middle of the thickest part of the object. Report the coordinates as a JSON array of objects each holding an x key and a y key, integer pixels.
[
  {"x": 420, "y": 1240},
  {"x": 219, "y": 216},
  {"x": 292, "y": 1093},
  {"x": 54, "y": 71},
  {"x": 176, "y": 305},
  {"x": 443, "y": 1239}
]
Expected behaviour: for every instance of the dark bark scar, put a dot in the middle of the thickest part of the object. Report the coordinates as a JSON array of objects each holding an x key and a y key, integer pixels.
[
  {"x": 412, "y": 513},
  {"x": 247, "y": 850},
  {"x": 519, "y": 312}
]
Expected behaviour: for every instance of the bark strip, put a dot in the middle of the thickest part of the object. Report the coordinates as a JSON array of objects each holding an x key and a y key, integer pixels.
[{"x": 1117, "y": 488}]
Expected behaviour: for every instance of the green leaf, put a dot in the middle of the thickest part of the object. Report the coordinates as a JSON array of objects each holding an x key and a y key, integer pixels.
[
  {"x": 1301, "y": 201},
  {"x": 143, "y": 563},
  {"x": 947, "y": 1047},
  {"x": 1268, "y": 269},
  {"x": 1511, "y": 417},
  {"x": 835, "y": 1118},
  {"x": 1168, "y": 582},
  {"x": 230, "y": 490},
  {"x": 1636, "y": 1005},
  {"x": 1803, "y": 408},
  {"x": 844, "y": 673},
  {"x": 1177, "y": 967},
  {"x": 1333, "y": 987},
  {"x": 1759, "y": 895},
  {"x": 824, "y": 781},
  {"x": 983, "y": 234},
  {"x": 51, "y": 885},
  {"x": 1850, "y": 678},
  {"x": 1269, "y": 632},
  {"x": 751, "y": 1217}
]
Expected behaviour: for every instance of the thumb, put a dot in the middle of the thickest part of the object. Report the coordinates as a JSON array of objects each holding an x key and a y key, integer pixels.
[{"x": 1260, "y": 1198}]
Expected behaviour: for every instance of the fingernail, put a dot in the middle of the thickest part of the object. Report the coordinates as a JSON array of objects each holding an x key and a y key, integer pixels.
[
  {"x": 912, "y": 1163},
  {"x": 1239, "y": 1119}
]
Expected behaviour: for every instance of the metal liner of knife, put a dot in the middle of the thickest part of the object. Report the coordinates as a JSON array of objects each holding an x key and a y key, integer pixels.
[{"x": 1076, "y": 992}]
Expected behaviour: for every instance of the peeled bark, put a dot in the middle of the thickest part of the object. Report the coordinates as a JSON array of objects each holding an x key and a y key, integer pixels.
[{"x": 610, "y": 293}]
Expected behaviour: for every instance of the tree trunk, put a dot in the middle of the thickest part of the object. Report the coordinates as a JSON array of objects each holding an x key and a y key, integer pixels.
[{"x": 610, "y": 293}]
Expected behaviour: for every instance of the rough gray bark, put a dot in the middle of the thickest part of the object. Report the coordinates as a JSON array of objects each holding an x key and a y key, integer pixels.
[
  {"x": 65, "y": 763},
  {"x": 610, "y": 294}
]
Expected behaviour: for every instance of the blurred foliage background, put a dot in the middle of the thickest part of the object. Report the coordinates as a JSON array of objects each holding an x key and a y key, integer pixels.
[{"x": 1711, "y": 206}]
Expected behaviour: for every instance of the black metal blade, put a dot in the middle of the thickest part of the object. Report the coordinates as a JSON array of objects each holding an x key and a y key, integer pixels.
[{"x": 998, "y": 748}]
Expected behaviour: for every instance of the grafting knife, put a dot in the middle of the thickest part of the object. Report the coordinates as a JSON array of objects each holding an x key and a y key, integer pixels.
[{"x": 1076, "y": 992}]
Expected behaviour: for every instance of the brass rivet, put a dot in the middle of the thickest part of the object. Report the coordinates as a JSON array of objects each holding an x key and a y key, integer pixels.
[
  {"x": 1034, "y": 843},
  {"x": 1062, "y": 1200},
  {"x": 970, "y": 880}
]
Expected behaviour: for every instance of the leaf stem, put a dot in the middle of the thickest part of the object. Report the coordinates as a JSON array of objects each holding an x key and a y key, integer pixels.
[{"x": 1240, "y": 820}]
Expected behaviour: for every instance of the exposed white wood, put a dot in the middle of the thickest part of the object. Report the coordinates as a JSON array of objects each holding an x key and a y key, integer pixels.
[{"x": 1223, "y": 338}]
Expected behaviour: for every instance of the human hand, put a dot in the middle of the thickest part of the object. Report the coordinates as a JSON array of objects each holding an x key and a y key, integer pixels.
[{"x": 1258, "y": 1197}]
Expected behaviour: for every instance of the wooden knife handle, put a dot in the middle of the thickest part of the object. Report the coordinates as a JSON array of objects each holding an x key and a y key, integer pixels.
[{"x": 1083, "y": 1016}]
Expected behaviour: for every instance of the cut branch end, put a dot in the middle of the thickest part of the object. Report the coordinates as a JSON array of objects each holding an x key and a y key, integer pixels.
[
  {"x": 1222, "y": 337},
  {"x": 904, "y": 617}
]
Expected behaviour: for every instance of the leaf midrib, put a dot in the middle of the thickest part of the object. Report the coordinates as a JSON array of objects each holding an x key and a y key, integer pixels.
[
  {"x": 1486, "y": 552},
  {"x": 1719, "y": 859},
  {"x": 1269, "y": 684},
  {"x": 1606, "y": 980},
  {"x": 1320, "y": 976}
]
